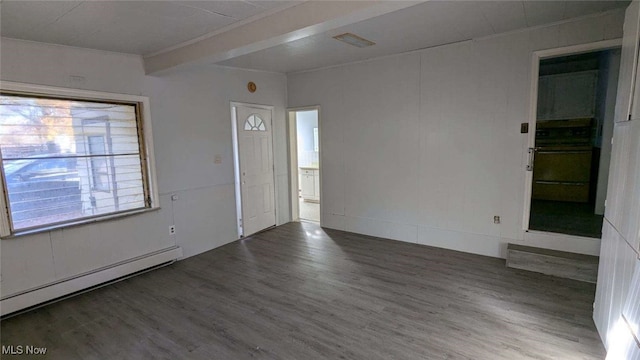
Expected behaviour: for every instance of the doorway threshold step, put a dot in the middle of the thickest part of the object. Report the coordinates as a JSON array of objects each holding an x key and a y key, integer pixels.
[{"x": 552, "y": 262}]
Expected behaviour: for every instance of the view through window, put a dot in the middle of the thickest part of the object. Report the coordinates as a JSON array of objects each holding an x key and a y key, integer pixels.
[{"x": 65, "y": 160}]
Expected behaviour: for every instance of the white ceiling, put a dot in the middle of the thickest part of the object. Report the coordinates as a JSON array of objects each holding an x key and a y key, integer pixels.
[
  {"x": 148, "y": 27},
  {"x": 136, "y": 27},
  {"x": 421, "y": 26}
]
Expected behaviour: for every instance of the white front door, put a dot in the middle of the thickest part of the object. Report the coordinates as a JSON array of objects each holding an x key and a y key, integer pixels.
[{"x": 255, "y": 153}]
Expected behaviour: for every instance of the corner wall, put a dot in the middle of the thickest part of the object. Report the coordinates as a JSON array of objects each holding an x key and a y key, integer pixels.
[
  {"x": 425, "y": 147},
  {"x": 190, "y": 113}
]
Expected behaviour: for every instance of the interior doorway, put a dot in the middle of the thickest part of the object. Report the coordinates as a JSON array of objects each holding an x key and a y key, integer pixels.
[
  {"x": 304, "y": 145},
  {"x": 253, "y": 167},
  {"x": 570, "y": 141}
]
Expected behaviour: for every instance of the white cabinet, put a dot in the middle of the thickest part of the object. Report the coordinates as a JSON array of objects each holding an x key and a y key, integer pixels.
[
  {"x": 307, "y": 186},
  {"x": 310, "y": 184},
  {"x": 545, "y": 98},
  {"x": 567, "y": 96}
]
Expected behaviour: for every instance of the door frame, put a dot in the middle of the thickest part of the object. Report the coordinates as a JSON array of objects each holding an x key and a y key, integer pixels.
[
  {"x": 236, "y": 161},
  {"x": 533, "y": 110},
  {"x": 292, "y": 149}
]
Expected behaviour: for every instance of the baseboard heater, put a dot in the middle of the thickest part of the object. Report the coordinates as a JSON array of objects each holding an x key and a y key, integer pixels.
[{"x": 86, "y": 281}]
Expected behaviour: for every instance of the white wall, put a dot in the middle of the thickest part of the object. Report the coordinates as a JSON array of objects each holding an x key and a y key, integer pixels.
[
  {"x": 191, "y": 125},
  {"x": 425, "y": 147}
]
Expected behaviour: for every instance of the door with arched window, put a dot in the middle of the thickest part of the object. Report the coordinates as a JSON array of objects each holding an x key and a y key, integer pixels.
[{"x": 255, "y": 168}]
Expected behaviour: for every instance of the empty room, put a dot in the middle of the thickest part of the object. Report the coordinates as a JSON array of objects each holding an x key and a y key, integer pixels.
[{"x": 256, "y": 179}]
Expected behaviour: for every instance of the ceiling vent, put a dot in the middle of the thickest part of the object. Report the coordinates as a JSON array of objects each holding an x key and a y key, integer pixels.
[{"x": 354, "y": 40}]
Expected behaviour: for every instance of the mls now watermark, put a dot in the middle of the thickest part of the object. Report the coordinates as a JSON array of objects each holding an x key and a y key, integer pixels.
[{"x": 23, "y": 350}]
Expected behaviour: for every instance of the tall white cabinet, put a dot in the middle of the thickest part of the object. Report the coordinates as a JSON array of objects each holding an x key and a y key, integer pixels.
[{"x": 620, "y": 249}]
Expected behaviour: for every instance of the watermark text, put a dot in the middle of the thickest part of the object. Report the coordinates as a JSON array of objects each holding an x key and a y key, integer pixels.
[{"x": 23, "y": 350}]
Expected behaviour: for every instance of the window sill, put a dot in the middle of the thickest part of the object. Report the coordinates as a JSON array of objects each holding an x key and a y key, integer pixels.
[{"x": 79, "y": 223}]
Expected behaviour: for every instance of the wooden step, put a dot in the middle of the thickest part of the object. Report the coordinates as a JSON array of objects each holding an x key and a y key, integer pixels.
[{"x": 552, "y": 262}]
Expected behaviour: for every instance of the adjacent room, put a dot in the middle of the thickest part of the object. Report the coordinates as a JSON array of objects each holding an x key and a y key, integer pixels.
[
  {"x": 574, "y": 128},
  {"x": 320, "y": 179},
  {"x": 304, "y": 126}
]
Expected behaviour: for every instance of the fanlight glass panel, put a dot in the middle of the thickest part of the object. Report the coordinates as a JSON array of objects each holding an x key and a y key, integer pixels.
[{"x": 254, "y": 123}]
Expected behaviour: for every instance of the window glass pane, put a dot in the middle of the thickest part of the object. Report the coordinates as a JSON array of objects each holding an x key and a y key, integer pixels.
[
  {"x": 66, "y": 159},
  {"x": 249, "y": 124},
  {"x": 99, "y": 170},
  {"x": 254, "y": 123}
]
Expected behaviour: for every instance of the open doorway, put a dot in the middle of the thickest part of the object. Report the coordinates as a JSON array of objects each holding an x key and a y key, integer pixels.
[
  {"x": 572, "y": 142},
  {"x": 304, "y": 139}
]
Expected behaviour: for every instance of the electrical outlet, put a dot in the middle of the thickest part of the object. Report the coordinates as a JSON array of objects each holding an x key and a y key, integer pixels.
[
  {"x": 172, "y": 230},
  {"x": 496, "y": 219}
]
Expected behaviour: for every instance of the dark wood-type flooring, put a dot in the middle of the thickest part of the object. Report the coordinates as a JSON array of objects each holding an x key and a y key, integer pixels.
[{"x": 301, "y": 292}]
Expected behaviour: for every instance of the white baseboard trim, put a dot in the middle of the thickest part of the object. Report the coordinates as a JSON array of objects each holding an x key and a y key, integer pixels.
[
  {"x": 486, "y": 245},
  {"x": 26, "y": 299},
  {"x": 480, "y": 244},
  {"x": 382, "y": 228},
  {"x": 333, "y": 221}
]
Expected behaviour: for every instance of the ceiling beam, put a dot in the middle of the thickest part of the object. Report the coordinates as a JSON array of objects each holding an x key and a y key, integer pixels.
[{"x": 305, "y": 19}]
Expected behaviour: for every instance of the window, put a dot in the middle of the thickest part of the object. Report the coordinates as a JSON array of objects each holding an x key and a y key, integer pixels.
[
  {"x": 254, "y": 123},
  {"x": 67, "y": 159}
]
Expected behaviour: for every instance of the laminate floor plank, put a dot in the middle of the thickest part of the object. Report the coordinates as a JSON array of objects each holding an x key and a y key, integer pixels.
[{"x": 302, "y": 292}]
